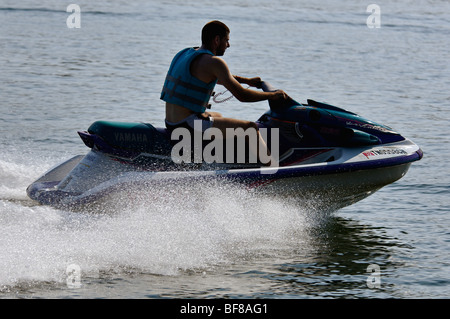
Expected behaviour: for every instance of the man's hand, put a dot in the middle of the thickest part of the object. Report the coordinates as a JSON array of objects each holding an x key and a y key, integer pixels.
[
  {"x": 279, "y": 95},
  {"x": 255, "y": 82}
]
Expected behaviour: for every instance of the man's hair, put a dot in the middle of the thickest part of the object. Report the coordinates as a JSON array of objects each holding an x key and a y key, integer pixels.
[{"x": 212, "y": 29}]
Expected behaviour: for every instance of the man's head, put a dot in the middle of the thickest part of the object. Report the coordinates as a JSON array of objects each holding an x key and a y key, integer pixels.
[{"x": 215, "y": 36}]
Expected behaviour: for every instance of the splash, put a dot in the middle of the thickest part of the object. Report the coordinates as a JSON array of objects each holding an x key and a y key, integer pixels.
[{"x": 161, "y": 231}]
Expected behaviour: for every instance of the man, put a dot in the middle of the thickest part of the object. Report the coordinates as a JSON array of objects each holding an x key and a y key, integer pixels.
[{"x": 192, "y": 76}]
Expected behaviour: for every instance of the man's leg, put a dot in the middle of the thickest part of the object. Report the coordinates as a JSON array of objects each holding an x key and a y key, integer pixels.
[
  {"x": 223, "y": 123},
  {"x": 213, "y": 114}
]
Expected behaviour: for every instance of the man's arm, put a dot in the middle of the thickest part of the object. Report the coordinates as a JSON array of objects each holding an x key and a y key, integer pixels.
[
  {"x": 255, "y": 82},
  {"x": 225, "y": 78}
]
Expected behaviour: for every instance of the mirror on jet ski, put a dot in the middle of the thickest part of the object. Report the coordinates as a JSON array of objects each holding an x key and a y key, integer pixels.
[{"x": 278, "y": 105}]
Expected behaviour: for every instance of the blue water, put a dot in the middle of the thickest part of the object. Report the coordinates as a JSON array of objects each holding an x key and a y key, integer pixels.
[{"x": 214, "y": 243}]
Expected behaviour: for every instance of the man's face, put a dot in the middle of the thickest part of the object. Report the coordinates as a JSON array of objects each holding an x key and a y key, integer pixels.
[{"x": 223, "y": 45}]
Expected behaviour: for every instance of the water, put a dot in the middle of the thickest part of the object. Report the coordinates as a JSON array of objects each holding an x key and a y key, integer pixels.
[{"x": 208, "y": 242}]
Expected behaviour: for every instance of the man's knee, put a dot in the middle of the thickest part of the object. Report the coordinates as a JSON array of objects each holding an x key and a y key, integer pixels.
[{"x": 251, "y": 125}]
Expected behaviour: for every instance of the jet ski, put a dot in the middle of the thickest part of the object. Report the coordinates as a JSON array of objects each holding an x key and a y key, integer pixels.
[{"x": 325, "y": 153}]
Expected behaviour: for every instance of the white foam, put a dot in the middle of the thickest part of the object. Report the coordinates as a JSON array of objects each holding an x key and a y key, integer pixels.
[{"x": 160, "y": 231}]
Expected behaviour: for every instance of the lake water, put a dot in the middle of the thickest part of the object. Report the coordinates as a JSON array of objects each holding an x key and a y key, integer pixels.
[{"x": 55, "y": 80}]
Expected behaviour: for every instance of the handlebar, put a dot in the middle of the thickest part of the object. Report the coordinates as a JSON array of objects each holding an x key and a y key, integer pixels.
[{"x": 277, "y": 105}]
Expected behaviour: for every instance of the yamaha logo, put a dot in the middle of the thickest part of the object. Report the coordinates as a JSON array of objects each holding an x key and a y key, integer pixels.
[{"x": 130, "y": 137}]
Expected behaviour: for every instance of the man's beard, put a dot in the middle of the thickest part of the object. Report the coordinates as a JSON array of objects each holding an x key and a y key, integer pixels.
[{"x": 220, "y": 52}]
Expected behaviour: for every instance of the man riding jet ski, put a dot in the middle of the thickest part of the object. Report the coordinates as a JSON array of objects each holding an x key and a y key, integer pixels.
[
  {"x": 314, "y": 148},
  {"x": 190, "y": 81},
  {"x": 322, "y": 150}
]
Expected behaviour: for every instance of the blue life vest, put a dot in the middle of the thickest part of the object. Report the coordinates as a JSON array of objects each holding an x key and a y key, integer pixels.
[{"x": 182, "y": 88}]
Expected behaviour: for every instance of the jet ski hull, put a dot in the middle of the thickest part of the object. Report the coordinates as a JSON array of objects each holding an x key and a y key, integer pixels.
[{"x": 354, "y": 174}]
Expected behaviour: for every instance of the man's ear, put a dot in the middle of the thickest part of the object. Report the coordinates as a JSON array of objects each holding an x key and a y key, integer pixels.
[{"x": 217, "y": 40}]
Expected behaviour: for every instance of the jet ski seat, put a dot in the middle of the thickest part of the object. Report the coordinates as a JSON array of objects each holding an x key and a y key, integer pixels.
[{"x": 130, "y": 136}]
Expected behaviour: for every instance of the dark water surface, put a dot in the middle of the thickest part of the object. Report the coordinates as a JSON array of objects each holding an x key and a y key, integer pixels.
[{"x": 214, "y": 243}]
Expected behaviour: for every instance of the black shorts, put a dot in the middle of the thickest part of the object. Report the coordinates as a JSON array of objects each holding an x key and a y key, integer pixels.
[{"x": 195, "y": 122}]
